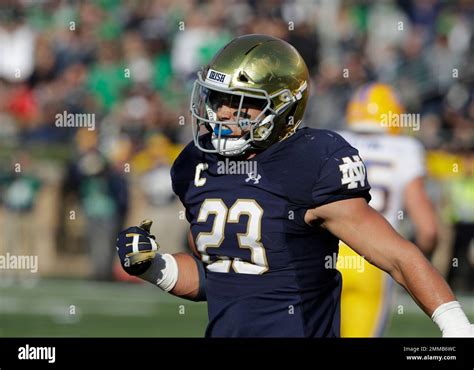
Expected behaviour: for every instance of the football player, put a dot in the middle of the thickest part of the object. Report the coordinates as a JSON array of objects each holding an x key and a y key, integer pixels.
[
  {"x": 267, "y": 239},
  {"x": 395, "y": 169}
]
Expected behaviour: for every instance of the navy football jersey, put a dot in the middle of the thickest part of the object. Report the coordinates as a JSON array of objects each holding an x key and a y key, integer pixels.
[{"x": 267, "y": 270}]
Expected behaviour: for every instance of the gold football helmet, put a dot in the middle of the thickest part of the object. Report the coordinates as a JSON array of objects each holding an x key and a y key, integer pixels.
[
  {"x": 374, "y": 107},
  {"x": 254, "y": 71}
]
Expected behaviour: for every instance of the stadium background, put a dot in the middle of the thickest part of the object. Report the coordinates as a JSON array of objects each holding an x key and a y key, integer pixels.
[{"x": 65, "y": 191}]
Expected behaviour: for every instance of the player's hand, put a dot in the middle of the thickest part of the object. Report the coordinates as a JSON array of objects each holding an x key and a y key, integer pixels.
[{"x": 136, "y": 248}]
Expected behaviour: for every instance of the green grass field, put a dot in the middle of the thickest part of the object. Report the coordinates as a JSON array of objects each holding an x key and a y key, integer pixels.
[{"x": 78, "y": 308}]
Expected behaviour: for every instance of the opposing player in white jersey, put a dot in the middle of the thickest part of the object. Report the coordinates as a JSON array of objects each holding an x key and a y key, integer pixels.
[{"x": 395, "y": 168}]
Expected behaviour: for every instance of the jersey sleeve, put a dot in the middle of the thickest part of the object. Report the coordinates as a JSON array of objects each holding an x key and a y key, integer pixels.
[
  {"x": 180, "y": 184},
  {"x": 175, "y": 182},
  {"x": 342, "y": 176},
  {"x": 411, "y": 162},
  {"x": 182, "y": 171}
]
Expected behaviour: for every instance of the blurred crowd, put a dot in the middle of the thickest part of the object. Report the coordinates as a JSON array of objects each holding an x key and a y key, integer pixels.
[{"x": 131, "y": 64}]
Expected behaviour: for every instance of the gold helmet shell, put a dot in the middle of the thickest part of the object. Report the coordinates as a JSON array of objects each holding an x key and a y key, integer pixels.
[
  {"x": 252, "y": 67},
  {"x": 374, "y": 107}
]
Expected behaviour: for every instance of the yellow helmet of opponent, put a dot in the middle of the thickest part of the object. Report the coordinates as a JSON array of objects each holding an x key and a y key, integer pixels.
[{"x": 375, "y": 108}]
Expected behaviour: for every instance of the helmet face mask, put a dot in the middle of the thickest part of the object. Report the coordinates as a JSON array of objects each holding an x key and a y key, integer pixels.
[
  {"x": 206, "y": 99},
  {"x": 259, "y": 80}
]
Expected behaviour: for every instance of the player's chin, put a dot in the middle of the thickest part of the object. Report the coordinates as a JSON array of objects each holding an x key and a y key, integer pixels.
[{"x": 234, "y": 137}]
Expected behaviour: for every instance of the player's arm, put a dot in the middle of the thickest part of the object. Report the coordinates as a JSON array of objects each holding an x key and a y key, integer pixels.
[
  {"x": 371, "y": 236},
  {"x": 421, "y": 211},
  {"x": 191, "y": 275},
  {"x": 180, "y": 274},
  {"x": 190, "y": 278}
]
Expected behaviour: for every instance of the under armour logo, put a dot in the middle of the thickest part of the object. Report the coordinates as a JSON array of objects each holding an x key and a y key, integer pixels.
[
  {"x": 255, "y": 179},
  {"x": 353, "y": 171}
]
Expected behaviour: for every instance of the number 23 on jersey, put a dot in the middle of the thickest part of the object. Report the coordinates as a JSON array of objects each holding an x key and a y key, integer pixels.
[{"x": 248, "y": 240}]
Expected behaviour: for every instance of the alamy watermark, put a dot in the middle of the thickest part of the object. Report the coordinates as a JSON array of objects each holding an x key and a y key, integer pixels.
[
  {"x": 85, "y": 120},
  {"x": 230, "y": 167},
  {"x": 28, "y": 352},
  {"x": 400, "y": 120},
  {"x": 14, "y": 262},
  {"x": 344, "y": 262}
]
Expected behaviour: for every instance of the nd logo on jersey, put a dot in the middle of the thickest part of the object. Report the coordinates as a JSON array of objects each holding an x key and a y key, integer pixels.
[{"x": 353, "y": 172}]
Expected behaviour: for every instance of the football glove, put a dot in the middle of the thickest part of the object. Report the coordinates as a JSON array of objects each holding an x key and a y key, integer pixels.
[{"x": 137, "y": 248}]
